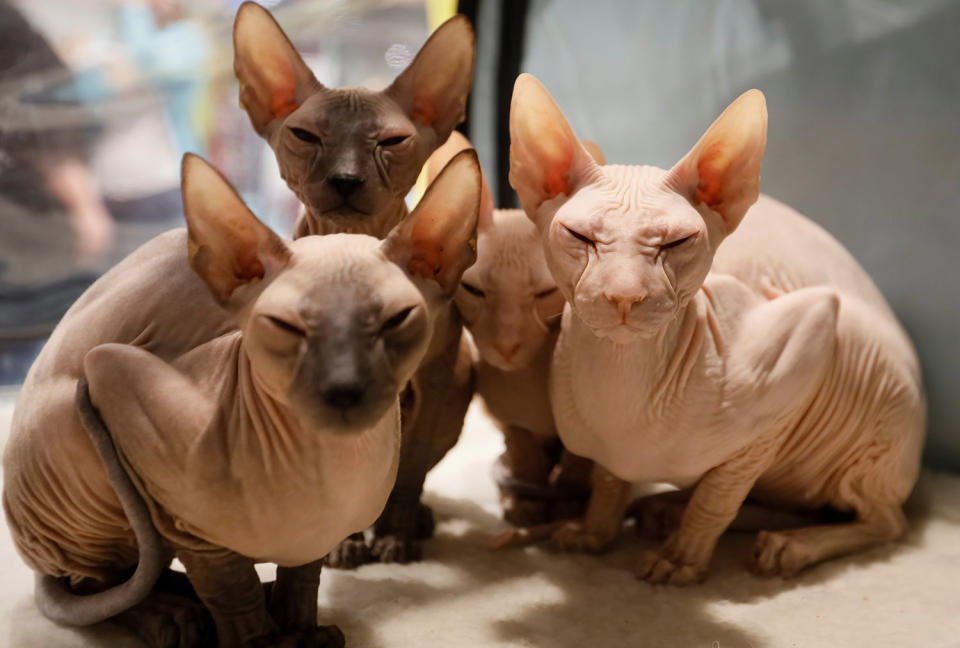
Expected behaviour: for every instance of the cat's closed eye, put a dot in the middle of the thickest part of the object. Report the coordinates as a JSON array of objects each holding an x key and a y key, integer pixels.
[
  {"x": 396, "y": 320},
  {"x": 678, "y": 242},
  {"x": 393, "y": 141},
  {"x": 285, "y": 326},
  {"x": 473, "y": 290},
  {"x": 546, "y": 293},
  {"x": 304, "y": 135},
  {"x": 580, "y": 237}
]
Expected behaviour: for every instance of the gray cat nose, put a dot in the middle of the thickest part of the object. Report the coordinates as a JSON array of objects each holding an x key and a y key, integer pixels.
[
  {"x": 343, "y": 395},
  {"x": 346, "y": 184}
]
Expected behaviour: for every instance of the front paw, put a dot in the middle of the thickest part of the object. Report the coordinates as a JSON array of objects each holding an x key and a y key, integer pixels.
[
  {"x": 574, "y": 537},
  {"x": 777, "y": 554},
  {"x": 521, "y": 512},
  {"x": 170, "y": 621},
  {"x": 319, "y": 637},
  {"x": 656, "y": 567},
  {"x": 395, "y": 549},
  {"x": 657, "y": 516},
  {"x": 349, "y": 554}
]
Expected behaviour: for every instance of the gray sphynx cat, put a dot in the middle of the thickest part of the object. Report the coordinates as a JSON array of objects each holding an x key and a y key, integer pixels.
[
  {"x": 269, "y": 443},
  {"x": 351, "y": 155}
]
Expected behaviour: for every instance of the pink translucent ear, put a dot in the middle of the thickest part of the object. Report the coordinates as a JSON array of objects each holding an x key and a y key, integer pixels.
[
  {"x": 274, "y": 80},
  {"x": 438, "y": 160},
  {"x": 227, "y": 246},
  {"x": 438, "y": 240},
  {"x": 546, "y": 158},
  {"x": 723, "y": 169},
  {"x": 433, "y": 89}
]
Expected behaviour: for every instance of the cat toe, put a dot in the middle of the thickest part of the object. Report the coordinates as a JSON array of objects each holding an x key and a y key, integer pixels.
[
  {"x": 777, "y": 554},
  {"x": 656, "y": 569}
]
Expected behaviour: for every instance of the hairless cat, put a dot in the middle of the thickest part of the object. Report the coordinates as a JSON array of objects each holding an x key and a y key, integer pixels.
[
  {"x": 351, "y": 155},
  {"x": 511, "y": 306},
  {"x": 718, "y": 340},
  {"x": 268, "y": 443}
]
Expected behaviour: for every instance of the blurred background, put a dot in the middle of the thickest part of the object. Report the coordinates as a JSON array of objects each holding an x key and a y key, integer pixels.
[{"x": 100, "y": 98}]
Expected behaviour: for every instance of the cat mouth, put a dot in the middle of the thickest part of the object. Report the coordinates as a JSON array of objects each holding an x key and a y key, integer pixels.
[{"x": 345, "y": 210}]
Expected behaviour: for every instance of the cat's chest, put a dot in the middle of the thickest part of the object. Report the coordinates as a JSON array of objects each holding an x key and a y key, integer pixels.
[
  {"x": 642, "y": 428},
  {"x": 292, "y": 505},
  {"x": 518, "y": 398}
]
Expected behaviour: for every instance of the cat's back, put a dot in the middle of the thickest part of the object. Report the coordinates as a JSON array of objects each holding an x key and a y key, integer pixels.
[
  {"x": 778, "y": 248},
  {"x": 150, "y": 299}
]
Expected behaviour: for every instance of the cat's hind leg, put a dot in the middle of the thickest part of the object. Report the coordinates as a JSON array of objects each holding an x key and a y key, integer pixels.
[{"x": 874, "y": 485}]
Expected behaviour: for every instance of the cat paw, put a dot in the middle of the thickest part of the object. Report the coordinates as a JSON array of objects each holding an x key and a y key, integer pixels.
[
  {"x": 656, "y": 516},
  {"x": 170, "y": 621},
  {"x": 654, "y": 567},
  {"x": 395, "y": 549},
  {"x": 522, "y": 512},
  {"x": 425, "y": 522},
  {"x": 777, "y": 554},
  {"x": 319, "y": 637},
  {"x": 349, "y": 554},
  {"x": 573, "y": 537}
]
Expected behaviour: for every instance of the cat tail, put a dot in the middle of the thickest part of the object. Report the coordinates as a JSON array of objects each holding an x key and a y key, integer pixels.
[{"x": 53, "y": 597}]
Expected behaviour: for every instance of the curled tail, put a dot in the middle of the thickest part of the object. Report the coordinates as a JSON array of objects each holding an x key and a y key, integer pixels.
[{"x": 52, "y": 596}]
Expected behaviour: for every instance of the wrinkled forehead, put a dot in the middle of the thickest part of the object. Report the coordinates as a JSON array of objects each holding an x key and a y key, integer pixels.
[
  {"x": 510, "y": 251},
  {"x": 341, "y": 272},
  {"x": 349, "y": 110},
  {"x": 627, "y": 199}
]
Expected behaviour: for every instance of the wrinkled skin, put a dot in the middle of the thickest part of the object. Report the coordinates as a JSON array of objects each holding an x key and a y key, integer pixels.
[
  {"x": 351, "y": 155},
  {"x": 718, "y": 342},
  {"x": 511, "y": 306},
  {"x": 303, "y": 390}
]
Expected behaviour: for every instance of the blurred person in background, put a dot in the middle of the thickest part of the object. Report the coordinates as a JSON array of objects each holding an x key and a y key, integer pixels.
[{"x": 54, "y": 224}]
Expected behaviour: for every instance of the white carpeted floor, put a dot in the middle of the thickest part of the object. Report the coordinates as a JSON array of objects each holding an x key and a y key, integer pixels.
[{"x": 906, "y": 595}]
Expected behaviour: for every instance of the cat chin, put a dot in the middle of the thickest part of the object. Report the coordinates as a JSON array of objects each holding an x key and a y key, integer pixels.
[{"x": 622, "y": 334}]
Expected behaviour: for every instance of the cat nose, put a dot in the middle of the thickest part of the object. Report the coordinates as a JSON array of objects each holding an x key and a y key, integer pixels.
[
  {"x": 346, "y": 184},
  {"x": 343, "y": 396},
  {"x": 623, "y": 303},
  {"x": 507, "y": 350}
]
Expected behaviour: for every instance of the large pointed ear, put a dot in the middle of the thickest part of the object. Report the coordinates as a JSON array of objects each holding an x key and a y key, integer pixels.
[
  {"x": 546, "y": 158},
  {"x": 438, "y": 240},
  {"x": 274, "y": 80},
  {"x": 441, "y": 157},
  {"x": 433, "y": 89},
  {"x": 227, "y": 246},
  {"x": 723, "y": 169}
]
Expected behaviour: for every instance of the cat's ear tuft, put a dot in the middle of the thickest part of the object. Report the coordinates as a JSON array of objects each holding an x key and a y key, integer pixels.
[
  {"x": 433, "y": 89},
  {"x": 546, "y": 158},
  {"x": 438, "y": 240},
  {"x": 723, "y": 169},
  {"x": 274, "y": 80},
  {"x": 226, "y": 244}
]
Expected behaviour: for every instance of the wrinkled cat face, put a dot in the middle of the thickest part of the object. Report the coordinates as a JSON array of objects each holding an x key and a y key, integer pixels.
[
  {"x": 338, "y": 351},
  {"x": 628, "y": 252},
  {"x": 350, "y": 154},
  {"x": 508, "y": 298},
  {"x": 333, "y": 326},
  {"x": 630, "y": 245}
]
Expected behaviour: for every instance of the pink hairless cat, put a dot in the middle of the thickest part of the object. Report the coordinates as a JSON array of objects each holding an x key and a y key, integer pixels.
[
  {"x": 718, "y": 340},
  {"x": 511, "y": 306}
]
